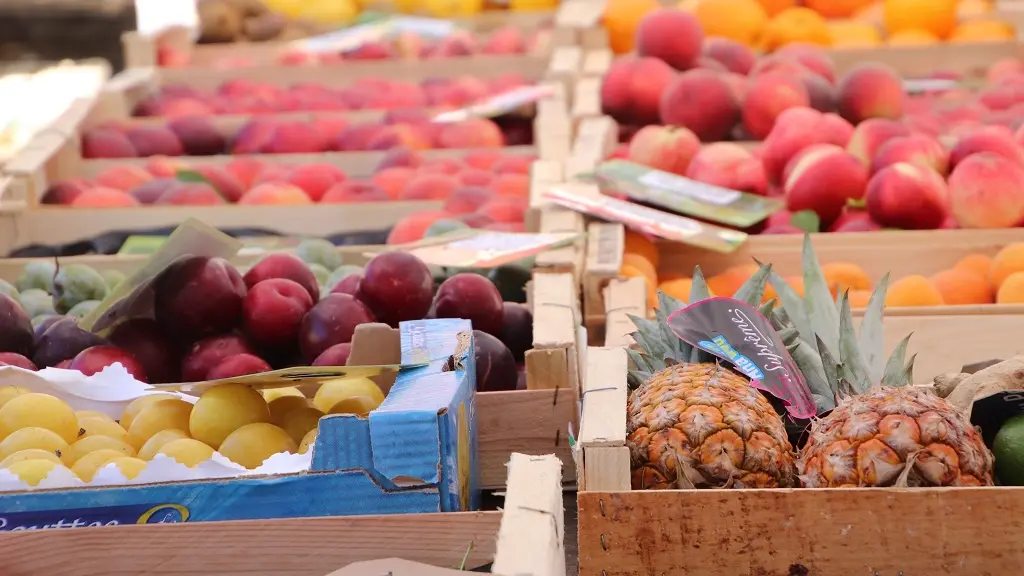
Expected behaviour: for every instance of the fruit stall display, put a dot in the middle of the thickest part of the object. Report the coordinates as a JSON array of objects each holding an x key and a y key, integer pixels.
[
  {"x": 850, "y": 412},
  {"x": 442, "y": 539},
  {"x": 852, "y": 25},
  {"x": 527, "y": 369}
]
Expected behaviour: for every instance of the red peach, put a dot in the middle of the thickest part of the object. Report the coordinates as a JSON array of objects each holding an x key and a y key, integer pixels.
[
  {"x": 191, "y": 194},
  {"x": 429, "y": 187},
  {"x": 505, "y": 40},
  {"x": 336, "y": 355},
  {"x": 822, "y": 179},
  {"x": 794, "y": 130},
  {"x": 729, "y": 166},
  {"x": 914, "y": 149},
  {"x": 482, "y": 159},
  {"x": 735, "y": 56},
  {"x": 665, "y": 148},
  {"x": 467, "y": 199},
  {"x": 1003, "y": 69},
  {"x": 107, "y": 143},
  {"x": 702, "y": 101},
  {"x": 272, "y": 311},
  {"x": 151, "y": 191},
  {"x": 517, "y": 185},
  {"x": 238, "y": 365},
  {"x": 245, "y": 170},
  {"x": 822, "y": 94},
  {"x": 632, "y": 89},
  {"x": 984, "y": 192},
  {"x": 400, "y": 157},
  {"x": 198, "y": 136},
  {"x": 223, "y": 181},
  {"x": 393, "y": 180},
  {"x": 354, "y": 137},
  {"x": 165, "y": 166},
  {"x": 101, "y": 197},
  {"x": 811, "y": 57},
  {"x": 836, "y": 130},
  {"x": 206, "y": 354},
  {"x": 671, "y": 35},
  {"x": 506, "y": 209},
  {"x": 295, "y": 138},
  {"x": 870, "y": 91},
  {"x": 472, "y": 133},
  {"x": 123, "y": 178},
  {"x": 65, "y": 191},
  {"x": 283, "y": 265},
  {"x": 155, "y": 140},
  {"x": 413, "y": 227},
  {"x": 399, "y": 136},
  {"x": 315, "y": 179},
  {"x": 354, "y": 191},
  {"x": 769, "y": 96},
  {"x": 514, "y": 164},
  {"x": 474, "y": 177},
  {"x": 907, "y": 196},
  {"x": 993, "y": 139},
  {"x": 254, "y": 137},
  {"x": 869, "y": 136},
  {"x": 275, "y": 193}
]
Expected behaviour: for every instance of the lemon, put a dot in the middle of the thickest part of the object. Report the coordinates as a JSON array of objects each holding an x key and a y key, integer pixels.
[
  {"x": 358, "y": 405},
  {"x": 308, "y": 440},
  {"x": 272, "y": 394},
  {"x": 164, "y": 414},
  {"x": 93, "y": 443},
  {"x": 225, "y": 409},
  {"x": 298, "y": 423},
  {"x": 138, "y": 405},
  {"x": 251, "y": 444},
  {"x": 87, "y": 466},
  {"x": 39, "y": 410},
  {"x": 28, "y": 438},
  {"x": 32, "y": 472},
  {"x": 130, "y": 467},
  {"x": 157, "y": 441},
  {"x": 187, "y": 451},
  {"x": 8, "y": 392},
  {"x": 93, "y": 426},
  {"x": 83, "y": 414},
  {"x": 280, "y": 407},
  {"x": 29, "y": 454},
  {"x": 334, "y": 391}
]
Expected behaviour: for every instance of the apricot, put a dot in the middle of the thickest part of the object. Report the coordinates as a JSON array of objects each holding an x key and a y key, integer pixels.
[
  {"x": 637, "y": 243},
  {"x": 678, "y": 288},
  {"x": 702, "y": 101},
  {"x": 1007, "y": 261},
  {"x": 846, "y": 275},
  {"x": 962, "y": 286},
  {"x": 1011, "y": 291},
  {"x": 858, "y": 299},
  {"x": 977, "y": 263},
  {"x": 870, "y": 91},
  {"x": 671, "y": 35},
  {"x": 915, "y": 290}
]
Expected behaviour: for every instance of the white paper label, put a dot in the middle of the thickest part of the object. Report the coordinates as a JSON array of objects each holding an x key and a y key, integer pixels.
[
  {"x": 346, "y": 39},
  {"x": 427, "y": 27},
  {"x": 498, "y": 104},
  {"x": 155, "y": 16},
  {"x": 690, "y": 188}
]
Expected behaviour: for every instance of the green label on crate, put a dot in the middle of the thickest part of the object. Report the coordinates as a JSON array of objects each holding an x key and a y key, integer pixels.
[
  {"x": 141, "y": 245},
  {"x": 686, "y": 196}
]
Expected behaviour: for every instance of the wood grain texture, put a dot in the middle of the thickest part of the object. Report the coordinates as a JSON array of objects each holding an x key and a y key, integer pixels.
[
  {"x": 534, "y": 422},
  {"x": 847, "y": 532},
  {"x": 292, "y": 547}
]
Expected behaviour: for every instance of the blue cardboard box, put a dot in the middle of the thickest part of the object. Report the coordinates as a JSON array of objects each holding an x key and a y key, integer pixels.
[{"x": 415, "y": 453}]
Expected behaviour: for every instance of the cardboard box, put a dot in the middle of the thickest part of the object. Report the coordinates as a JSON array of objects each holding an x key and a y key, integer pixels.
[
  {"x": 531, "y": 516},
  {"x": 416, "y": 453}
]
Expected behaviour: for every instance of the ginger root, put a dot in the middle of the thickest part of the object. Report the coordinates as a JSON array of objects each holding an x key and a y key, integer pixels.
[
  {"x": 946, "y": 383},
  {"x": 1006, "y": 375}
]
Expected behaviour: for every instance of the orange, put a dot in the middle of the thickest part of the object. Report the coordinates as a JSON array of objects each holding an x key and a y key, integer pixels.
[
  {"x": 795, "y": 25},
  {"x": 740, "y": 20},
  {"x": 679, "y": 288},
  {"x": 913, "y": 290},
  {"x": 1012, "y": 289},
  {"x": 845, "y": 275},
  {"x": 858, "y": 298},
  {"x": 968, "y": 9},
  {"x": 773, "y": 7},
  {"x": 854, "y": 34},
  {"x": 982, "y": 30},
  {"x": 912, "y": 37},
  {"x": 1009, "y": 260},
  {"x": 978, "y": 263},
  {"x": 936, "y": 16},
  {"x": 621, "y": 19},
  {"x": 650, "y": 283},
  {"x": 637, "y": 243},
  {"x": 837, "y": 8},
  {"x": 962, "y": 286},
  {"x": 642, "y": 264}
]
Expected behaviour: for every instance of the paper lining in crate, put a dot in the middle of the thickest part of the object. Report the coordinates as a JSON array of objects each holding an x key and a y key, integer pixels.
[{"x": 524, "y": 537}]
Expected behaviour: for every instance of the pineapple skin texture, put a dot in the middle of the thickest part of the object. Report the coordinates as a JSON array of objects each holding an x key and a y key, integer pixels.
[
  {"x": 708, "y": 424},
  {"x": 868, "y": 439}
]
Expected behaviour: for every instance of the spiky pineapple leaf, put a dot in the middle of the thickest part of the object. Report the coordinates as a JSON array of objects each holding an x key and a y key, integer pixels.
[
  {"x": 648, "y": 336},
  {"x": 895, "y": 366},
  {"x": 752, "y": 291},
  {"x": 639, "y": 360},
  {"x": 908, "y": 372},
  {"x": 831, "y": 368},
  {"x": 852, "y": 365},
  {"x": 840, "y": 298},
  {"x": 789, "y": 335},
  {"x": 792, "y": 311},
  {"x": 635, "y": 379},
  {"x": 871, "y": 334},
  {"x": 818, "y": 302},
  {"x": 767, "y": 308},
  {"x": 811, "y": 366},
  {"x": 823, "y": 403},
  {"x": 678, "y": 349},
  {"x": 698, "y": 286}
]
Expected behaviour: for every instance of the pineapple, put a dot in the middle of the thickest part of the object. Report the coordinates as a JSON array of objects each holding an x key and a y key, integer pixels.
[{"x": 692, "y": 422}]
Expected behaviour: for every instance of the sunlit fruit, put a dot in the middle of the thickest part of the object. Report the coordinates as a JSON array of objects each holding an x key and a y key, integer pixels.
[
  {"x": 130, "y": 467},
  {"x": 164, "y": 414},
  {"x": 358, "y": 405},
  {"x": 8, "y": 392},
  {"x": 224, "y": 409},
  {"x": 32, "y": 472},
  {"x": 39, "y": 410},
  {"x": 157, "y": 441},
  {"x": 32, "y": 437},
  {"x": 187, "y": 451},
  {"x": 334, "y": 391},
  {"x": 87, "y": 466},
  {"x": 271, "y": 394},
  {"x": 298, "y": 423},
  {"x": 308, "y": 440},
  {"x": 251, "y": 444},
  {"x": 282, "y": 406},
  {"x": 82, "y": 414},
  {"x": 93, "y": 426},
  {"x": 30, "y": 454},
  {"x": 93, "y": 443},
  {"x": 138, "y": 405}
]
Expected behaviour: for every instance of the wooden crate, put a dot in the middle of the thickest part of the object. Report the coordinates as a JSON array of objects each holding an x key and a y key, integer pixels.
[
  {"x": 899, "y": 253},
  {"x": 815, "y": 532},
  {"x": 532, "y": 421},
  {"x": 521, "y": 539}
]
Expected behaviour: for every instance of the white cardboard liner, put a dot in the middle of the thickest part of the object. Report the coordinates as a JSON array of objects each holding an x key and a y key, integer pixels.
[{"x": 109, "y": 392}]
